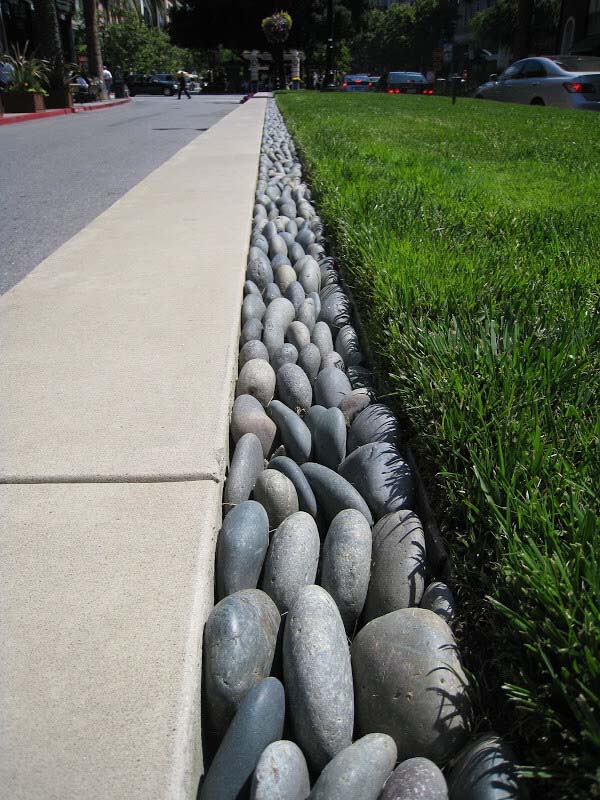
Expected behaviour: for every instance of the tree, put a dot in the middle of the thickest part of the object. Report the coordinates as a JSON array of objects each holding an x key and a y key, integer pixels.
[
  {"x": 50, "y": 46},
  {"x": 92, "y": 38}
]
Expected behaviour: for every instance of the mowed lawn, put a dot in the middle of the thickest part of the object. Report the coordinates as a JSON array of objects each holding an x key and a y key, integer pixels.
[{"x": 470, "y": 237}]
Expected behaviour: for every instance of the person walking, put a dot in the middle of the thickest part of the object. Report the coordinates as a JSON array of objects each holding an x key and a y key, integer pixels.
[
  {"x": 107, "y": 76},
  {"x": 182, "y": 86}
]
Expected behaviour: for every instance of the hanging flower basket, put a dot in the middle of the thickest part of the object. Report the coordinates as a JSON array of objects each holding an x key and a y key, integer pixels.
[{"x": 277, "y": 27}]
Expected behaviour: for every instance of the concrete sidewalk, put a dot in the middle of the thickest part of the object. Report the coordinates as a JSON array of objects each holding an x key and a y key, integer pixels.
[{"x": 118, "y": 363}]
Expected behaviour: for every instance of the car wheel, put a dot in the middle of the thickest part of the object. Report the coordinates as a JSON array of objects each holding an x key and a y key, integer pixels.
[
  {"x": 167, "y": 92},
  {"x": 537, "y": 101}
]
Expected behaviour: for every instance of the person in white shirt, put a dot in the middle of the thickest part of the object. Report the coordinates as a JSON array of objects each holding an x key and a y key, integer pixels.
[{"x": 107, "y": 75}]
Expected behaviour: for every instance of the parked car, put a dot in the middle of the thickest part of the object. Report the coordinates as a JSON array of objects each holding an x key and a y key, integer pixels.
[
  {"x": 357, "y": 83},
  {"x": 153, "y": 84},
  {"x": 564, "y": 81},
  {"x": 407, "y": 83}
]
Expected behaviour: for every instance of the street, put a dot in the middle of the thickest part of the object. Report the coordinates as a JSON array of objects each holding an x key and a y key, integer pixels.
[{"x": 58, "y": 174}]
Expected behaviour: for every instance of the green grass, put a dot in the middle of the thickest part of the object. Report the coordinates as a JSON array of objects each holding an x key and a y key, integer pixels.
[{"x": 470, "y": 236}]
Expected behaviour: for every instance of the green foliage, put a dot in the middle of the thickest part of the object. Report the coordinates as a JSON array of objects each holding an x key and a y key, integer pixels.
[
  {"x": 29, "y": 74},
  {"x": 469, "y": 241}
]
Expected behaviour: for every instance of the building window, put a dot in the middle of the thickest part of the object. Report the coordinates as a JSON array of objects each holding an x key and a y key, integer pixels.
[
  {"x": 568, "y": 35},
  {"x": 593, "y": 23}
]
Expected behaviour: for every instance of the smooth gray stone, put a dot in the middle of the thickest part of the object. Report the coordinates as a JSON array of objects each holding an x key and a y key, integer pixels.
[
  {"x": 382, "y": 477},
  {"x": 284, "y": 275},
  {"x": 306, "y": 497},
  {"x": 293, "y": 431},
  {"x": 334, "y": 493},
  {"x": 352, "y": 404},
  {"x": 335, "y": 306},
  {"x": 328, "y": 430},
  {"x": 295, "y": 252},
  {"x": 246, "y": 465},
  {"x": 361, "y": 378},
  {"x": 375, "y": 424},
  {"x": 295, "y": 294},
  {"x": 359, "y": 771},
  {"x": 273, "y": 335},
  {"x": 416, "y": 779},
  {"x": 330, "y": 278},
  {"x": 277, "y": 494},
  {"x": 292, "y": 559},
  {"x": 409, "y": 683},
  {"x": 251, "y": 288},
  {"x": 257, "y": 378},
  {"x": 298, "y": 334},
  {"x": 277, "y": 246},
  {"x": 239, "y": 645},
  {"x": 286, "y": 354},
  {"x": 248, "y": 416},
  {"x": 315, "y": 249},
  {"x": 316, "y": 298},
  {"x": 252, "y": 349},
  {"x": 278, "y": 261},
  {"x": 438, "y": 598},
  {"x": 271, "y": 292},
  {"x": 331, "y": 386},
  {"x": 258, "y": 723},
  {"x": 241, "y": 548},
  {"x": 259, "y": 241},
  {"x": 309, "y": 359},
  {"x": 309, "y": 275},
  {"x": 251, "y": 331},
  {"x": 307, "y": 314},
  {"x": 335, "y": 360},
  {"x": 305, "y": 237},
  {"x": 485, "y": 770},
  {"x": 253, "y": 308},
  {"x": 281, "y": 773},
  {"x": 318, "y": 676},
  {"x": 293, "y": 387},
  {"x": 289, "y": 209},
  {"x": 321, "y": 336},
  {"x": 287, "y": 237},
  {"x": 292, "y": 228},
  {"x": 280, "y": 311},
  {"x": 259, "y": 268},
  {"x": 348, "y": 346},
  {"x": 346, "y": 564},
  {"x": 398, "y": 564}
]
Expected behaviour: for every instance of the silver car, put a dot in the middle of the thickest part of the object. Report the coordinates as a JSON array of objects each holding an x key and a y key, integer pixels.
[{"x": 564, "y": 81}]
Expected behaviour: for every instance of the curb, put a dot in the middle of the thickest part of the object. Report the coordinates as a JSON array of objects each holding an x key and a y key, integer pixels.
[
  {"x": 93, "y": 107},
  {"x": 57, "y": 112}
]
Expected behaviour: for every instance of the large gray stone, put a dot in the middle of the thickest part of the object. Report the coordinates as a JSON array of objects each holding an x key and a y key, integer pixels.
[
  {"x": 309, "y": 275},
  {"x": 279, "y": 260},
  {"x": 359, "y": 771},
  {"x": 306, "y": 497},
  {"x": 295, "y": 252},
  {"x": 318, "y": 676},
  {"x": 259, "y": 268},
  {"x": 352, "y": 404},
  {"x": 305, "y": 237},
  {"x": 286, "y": 354},
  {"x": 328, "y": 430},
  {"x": 246, "y": 465},
  {"x": 409, "y": 683},
  {"x": 331, "y": 386},
  {"x": 239, "y": 645},
  {"x": 251, "y": 288},
  {"x": 281, "y": 773},
  {"x": 438, "y": 598},
  {"x": 398, "y": 564},
  {"x": 298, "y": 334},
  {"x": 377, "y": 423},
  {"x": 416, "y": 779},
  {"x": 486, "y": 769},
  {"x": 251, "y": 331},
  {"x": 257, "y": 378},
  {"x": 293, "y": 431},
  {"x": 293, "y": 387},
  {"x": 277, "y": 246},
  {"x": 270, "y": 292},
  {"x": 252, "y": 349},
  {"x": 316, "y": 298},
  {"x": 295, "y": 294},
  {"x": 334, "y": 493},
  {"x": 292, "y": 559},
  {"x": 307, "y": 313},
  {"x": 346, "y": 564},
  {"x": 280, "y": 311},
  {"x": 253, "y": 308},
  {"x": 257, "y": 724},
  {"x": 309, "y": 359},
  {"x": 348, "y": 346},
  {"x": 284, "y": 275},
  {"x": 273, "y": 335},
  {"x": 335, "y": 306},
  {"x": 382, "y": 477},
  {"x": 321, "y": 336},
  {"x": 241, "y": 548},
  {"x": 276, "y": 493},
  {"x": 331, "y": 360},
  {"x": 248, "y": 416}
]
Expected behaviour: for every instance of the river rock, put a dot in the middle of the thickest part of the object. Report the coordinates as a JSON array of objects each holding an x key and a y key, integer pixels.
[
  {"x": 416, "y": 779},
  {"x": 307, "y": 314},
  {"x": 253, "y": 308},
  {"x": 279, "y": 260},
  {"x": 376, "y": 423},
  {"x": 295, "y": 294},
  {"x": 292, "y": 559},
  {"x": 321, "y": 336},
  {"x": 309, "y": 275},
  {"x": 252, "y": 349},
  {"x": 259, "y": 268},
  {"x": 382, "y": 477},
  {"x": 293, "y": 387},
  {"x": 270, "y": 292},
  {"x": 306, "y": 498},
  {"x": 276, "y": 493},
  {"x": 257, "y": 724},
  {"x": 293, "y": 431},
  {"x": 352, "y": 404},
  {"x": 410, "y": 684},
  {"x": 241, "y": 548},
  {"x": 335, "y": 306},
  {"x": 292, "y": 228},
  {"x": 280, "y": 312},
  {"x": 281, "y": 774},
  {"x": 257, "y": 378},
  {"x": 333, "y": 492},
  {"x": 298, "y": 334},
  {"x": 318, "y": 675},
  {"x": 359, "y": 771},
  {"x": 239, "y": 645},
  {"x": 277, "y": 246},
  {"x": 248, "y": 416},
  {"x": 251, "y": 331},
  {"x": 273, "y": 335},
  {"x": 348, "y": 346},
  {"x": 485, "y": 770},
  {"x": 286, "y": 354},
  {"x": 285, "y": 275},
  {"x": 246, "y": 465},
  {"x": 331, "y": 386},
  {"x": 316, "y": 298},
  {"x": 251, "y": 288},
  {"x": 328, "y": 430},
  {"x": 361, "y": 378},
  {"x": 438, "y": 598},
  {"x": 305, "y": 237},
  {"x": 296, "y": 251},
  {"x": 309, "y": 359},
  {"x": 346, "y": 564},
  {"x": 333, "y": 359}
]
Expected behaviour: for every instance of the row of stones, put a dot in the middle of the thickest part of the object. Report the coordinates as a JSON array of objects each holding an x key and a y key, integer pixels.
[{"x": 325, "y": 626}]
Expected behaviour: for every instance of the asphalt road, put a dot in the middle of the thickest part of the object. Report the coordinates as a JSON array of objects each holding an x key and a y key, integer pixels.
[{"x": 57, "y": 175}]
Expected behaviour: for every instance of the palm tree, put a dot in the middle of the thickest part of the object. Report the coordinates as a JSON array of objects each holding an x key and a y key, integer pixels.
[
  {"x": 92, "y": 40},
  {"x": 50, "y": 47}
]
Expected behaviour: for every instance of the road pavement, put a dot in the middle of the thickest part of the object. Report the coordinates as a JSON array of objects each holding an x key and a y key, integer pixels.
[{"x": 58, "y": 174}]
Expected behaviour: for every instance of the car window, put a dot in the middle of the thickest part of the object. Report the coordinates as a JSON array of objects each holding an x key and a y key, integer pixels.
[
  {"x": 406, "y": 77},
  {"x": 533, "y": 69},
  {"x": 512, "y": 72}
]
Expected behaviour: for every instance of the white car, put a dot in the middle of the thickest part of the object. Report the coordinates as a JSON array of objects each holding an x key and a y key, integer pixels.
[{"x": 564, "y": 81}]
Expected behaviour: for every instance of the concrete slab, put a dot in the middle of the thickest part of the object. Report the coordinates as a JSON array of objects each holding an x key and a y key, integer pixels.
[
  {"x": 105, "y": 591},
  {"x": 118, "y": 352}
]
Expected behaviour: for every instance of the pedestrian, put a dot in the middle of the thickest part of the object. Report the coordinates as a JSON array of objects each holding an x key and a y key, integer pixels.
[
  {"x": 182, "y": 86},
  {"x": 107, "y": 75}
]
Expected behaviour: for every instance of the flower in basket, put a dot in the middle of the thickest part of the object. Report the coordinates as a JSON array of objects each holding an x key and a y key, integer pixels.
[{"x": 277, "y": 27}]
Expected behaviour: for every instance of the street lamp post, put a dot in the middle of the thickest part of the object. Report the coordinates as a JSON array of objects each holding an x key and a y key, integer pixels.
[{"x": 329, "y": 81}]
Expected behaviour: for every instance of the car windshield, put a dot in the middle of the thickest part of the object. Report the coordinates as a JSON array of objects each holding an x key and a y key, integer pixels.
[
  {"x": 406, "y": 77},
  {"x": 578, "y": 63},
  {"x": 356, "y": 79}
]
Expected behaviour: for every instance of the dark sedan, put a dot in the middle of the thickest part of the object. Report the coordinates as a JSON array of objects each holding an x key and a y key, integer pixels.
[
  {"x": 408, "y": 83},
  {"x": 153, "y": 84}
]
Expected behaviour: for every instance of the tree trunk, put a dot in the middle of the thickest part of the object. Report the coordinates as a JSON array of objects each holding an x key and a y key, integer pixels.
[
  {"x": 50, "y": 43},
  {"x": 523, "y": 29},
  {"x": 92, "y": 40}
]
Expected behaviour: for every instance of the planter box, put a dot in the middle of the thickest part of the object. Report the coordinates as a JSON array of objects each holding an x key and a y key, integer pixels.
[
  {"x": 23, "y": 102},
  {"x": 61, "y": 98}
]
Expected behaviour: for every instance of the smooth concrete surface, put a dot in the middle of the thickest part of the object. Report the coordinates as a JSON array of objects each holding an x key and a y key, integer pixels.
[
  {"x": 119, "y": 350},
  {"x": 105, "y": 591}
]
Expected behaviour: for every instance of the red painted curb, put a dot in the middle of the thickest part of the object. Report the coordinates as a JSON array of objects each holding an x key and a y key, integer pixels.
[
  {"x": 56, "y": 112},
  {"x": 103, "y": 105}
]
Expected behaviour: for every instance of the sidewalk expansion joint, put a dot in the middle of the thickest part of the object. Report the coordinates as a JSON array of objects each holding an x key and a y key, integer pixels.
[{"x": 179, "y": 478}]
